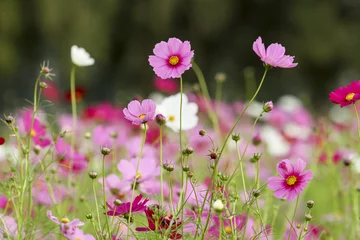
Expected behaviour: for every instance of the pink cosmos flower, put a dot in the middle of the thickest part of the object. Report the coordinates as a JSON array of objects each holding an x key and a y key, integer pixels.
[
  {"x": 38, "y": 131},
  {"x": 274, "y": 55},
  {"x": 118, "y": 189},
  {"x": 292, "y": 181},
  {"x": 313, "y": 233},
  {"x": 124, "y": 208},
  {"x": 139, "y": 113},
  {"x": 169, "y": 86},
  {"x": 10, "y": 227},
  {"x": 148, "y": 169},
  {"x": 67, "y": 227},
  {"x": 346, "y": 95},
  {"x": 172, "y": 58},
  {"x": 80, "y": 235},
  {"x": 68, "y": 158}
]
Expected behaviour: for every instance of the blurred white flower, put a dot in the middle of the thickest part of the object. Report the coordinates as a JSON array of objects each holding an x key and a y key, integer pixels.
[
  {"x": 289, "y": 103},
  {"x": 218, "y": 205},
  {"x": 80, "y": 57},
  {"x": 276, "y": 144},
  {"x": 170, "y": 108}
]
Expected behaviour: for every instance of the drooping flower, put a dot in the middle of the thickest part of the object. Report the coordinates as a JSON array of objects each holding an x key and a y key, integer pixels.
[
  {"x": 67, "y": 227},
  {"x": 172, "y": 58},
  {"x": 292, "y": 181},
  {"x": 274, "y": 55},
  {"x": 80, "y": 57},
  {"x": 170, "y": 106},
  {"x": 157, "y": 219},
  {"x": 124, "y": 208},
  {"x": 139, "y": 113},
  {"x": 346, "y": 95}
]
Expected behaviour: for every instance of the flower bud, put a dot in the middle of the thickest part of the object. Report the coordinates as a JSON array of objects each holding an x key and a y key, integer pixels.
[
  {"x": 213, "y": 155},
  {"x": 43, "y": 85},
  {"x": 89, "y": 216},
  {"x": 212, "y": 165},
  {"x": 202, "y": 132},
  {"x": 187, "y": 151},
  {"x": 310, "y": 203},
  {"x": 256, "y": 140},
  {"x": 255, "y": 158},
  {"x": 160, "y": 119},
  {"x": 87, "y": 135},
  {"x": 37, "y": 149},
  {"x": 186, "y": 168},
  {"x": 62, "y": 134},
  {"x": 93, "y": 174},
  {"x": 256, "y": 193},
  {"x": 45, "y": 70},
  {"x": 9, "y": 120},
  {"x": 235, "y": 137},
  {"x": 190, "y": 174},
  {"x": 347, "y": 162},
  {"x": 114, "y": 135},
  {"x": 105, "y": 151},
  {"x": 220, "y": 77},
  {"x": 168, "y": 167},
  {"x": 308, "y": 217},
  {"x": 117, "y": 202},
  {"x": 298, "y": 226},
  {"x": 218, "y": 206},
  {"x": 268, "y": 106}
]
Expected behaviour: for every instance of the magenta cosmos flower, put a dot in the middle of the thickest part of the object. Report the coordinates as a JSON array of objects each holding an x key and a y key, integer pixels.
[
  {"x": 292, "y": 181},
  {"x": 124, "y": 208},
  {"x": 274, "y": 55},
  {"x": 139, "y": 113},
  {"x": 346, "y": 95},
  {"x": 172, "y": 58}
]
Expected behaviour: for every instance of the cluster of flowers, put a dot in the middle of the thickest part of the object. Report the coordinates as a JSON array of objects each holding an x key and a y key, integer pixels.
[{"x": 201, "y": 181}]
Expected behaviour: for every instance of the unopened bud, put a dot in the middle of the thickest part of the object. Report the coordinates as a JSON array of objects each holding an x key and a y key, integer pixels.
[
  {"x": 114, "y": 135},
  {"x": 256, "y": 193},
  {"x": 212, "y": 165},
  {"x": 190, "y": 174},
  {"x": 187, "y": 151},
  {"x": 218, "y": 206},
  {"x": 9, "y": 120},
  {"x": 255, "y": 158},
  {"x": 105, "y": 151},
  {"x": 168, "y": 167},
  {"x": 37, "y": 149},
  {"x": 45, "y": 70},
  {"x": 256, "y": 140},
  {"x": 220, "y": 77},
  {"x": 89, "y": 216},
  {"x": 43, "y": 85},
  {"x": 213, "y": 155},
  {"x": 308, "y": 217},
  {"x": 310, "y": 203},
  {"x": 117, "y": 202},
  {"x": 160, "y": 119},
  {"x": 268, "y": 106},
  {"x": 62, "y": 134},
  {"x": 186, "y": 168},
  {"x": 87, "y": 135},
  {"x": 93, "y": 174},
  {"x": 235, "y": 137},
  {"x": 202, "y": 132}
]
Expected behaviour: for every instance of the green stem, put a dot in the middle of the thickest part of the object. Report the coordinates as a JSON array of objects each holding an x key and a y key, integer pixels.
[
  {"x": 135, "y": 178},
  {"x": 221, "y": 229},
  {"x": 223, "y": 148},
  {"x": 293, "y": 217},
  {"x": 355, "y": 208},
  {"x": 74, "y": 119},
  {"x": 97, "y": 207},
  {"x": 104, "y": 194},
  {"x": 161, "y": 169}
]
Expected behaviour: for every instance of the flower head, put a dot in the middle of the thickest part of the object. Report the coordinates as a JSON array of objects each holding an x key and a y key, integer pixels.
[
  {"x": 139, "y": 113},
  {"x": 67, "y": 227},
  {"x": 124, "y": 208},
  {"x": 346, "y": 95},
  {"x": 172, "y": 58},
  {"x": 80, "y": 57},
  {"x": 170, "y": 106},
  {"x": 274, "y": 55},
  {"x": 292, "y": 181}
]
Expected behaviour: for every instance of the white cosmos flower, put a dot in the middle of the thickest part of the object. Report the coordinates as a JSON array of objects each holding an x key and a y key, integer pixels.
[
  {"x": 276, "y": 144},
  {"x": 170, "y": 108},
  {"x": 80, "y": 57}
]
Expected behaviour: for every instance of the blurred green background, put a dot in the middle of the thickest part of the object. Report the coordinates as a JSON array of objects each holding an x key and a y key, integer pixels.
[{"x": 324, "y": 35}]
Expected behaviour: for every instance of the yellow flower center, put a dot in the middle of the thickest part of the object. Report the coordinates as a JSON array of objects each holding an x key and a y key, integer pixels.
[
  {"x": 138, "y": 175},
  {"x": 65, "y": 220},
  {"x": 228, "y": 230},
  {"x": 172, "y": 118},
  {"x": 291, "y": 180},
  {"x": 350, "y": 96},
  {"x": 142, "y": 116},
  {"x": 77, "y": 238},
  {"x": 32, "y": 133},
  {"x": 174, "y": 60}
]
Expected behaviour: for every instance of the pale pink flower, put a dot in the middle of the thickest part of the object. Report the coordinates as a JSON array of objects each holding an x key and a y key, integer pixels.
[{"x": 139, "y": 113}]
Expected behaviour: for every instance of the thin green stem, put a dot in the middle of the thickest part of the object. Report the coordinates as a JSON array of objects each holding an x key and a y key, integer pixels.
[
  {"x": 355, "y": 208},
  {"x": 97, "y": 206},
  {"x": 293, "y": 217},
  {"x": 221, "y": 227},
  {"x": 135, "y": 178},
  {"x": 104, "y": 194},
  {"x": 161, "y": 169},
  {"x": 74, "y": 119}
]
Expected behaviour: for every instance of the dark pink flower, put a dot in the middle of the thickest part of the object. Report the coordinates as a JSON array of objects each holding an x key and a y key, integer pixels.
[
  {"x": 69, "y": 158},
  {"x": 172, "y": 58},
  {"x": 346, "y": 95},
  {"x": 168, "y": 85},
  {"x": 139, "y": 113},
  {"x": 274, "y": 55},
  {"x": 292, "y": 181},
  {"x": 124, "y": 208},
  {"x": 37, "y": 132},
  {"x": 67, "y": 227}
]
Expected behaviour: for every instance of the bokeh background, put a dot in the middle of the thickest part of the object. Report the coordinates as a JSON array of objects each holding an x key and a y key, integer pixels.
[{"x": 324, "y": 35}]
